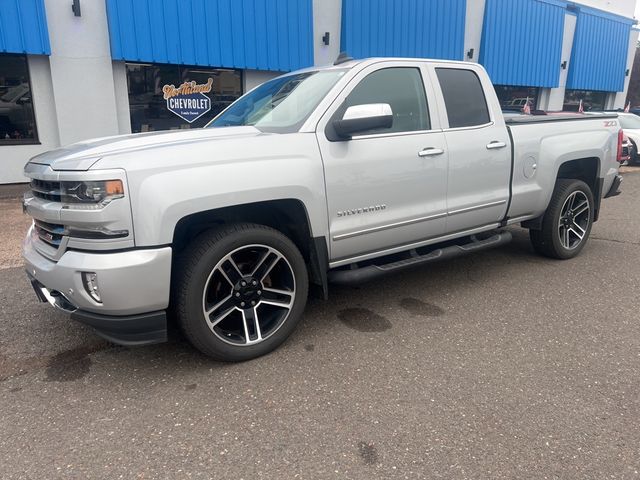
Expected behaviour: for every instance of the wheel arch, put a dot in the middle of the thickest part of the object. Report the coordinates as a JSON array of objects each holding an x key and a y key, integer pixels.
[
  {"x": 288, "y": 216},
  {"x": 586, "y": 169}
]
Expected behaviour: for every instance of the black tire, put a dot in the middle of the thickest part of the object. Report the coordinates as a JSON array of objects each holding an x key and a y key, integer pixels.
[
  {"x": 199, "y": 265},
  {"x": 547, "y": 241}
]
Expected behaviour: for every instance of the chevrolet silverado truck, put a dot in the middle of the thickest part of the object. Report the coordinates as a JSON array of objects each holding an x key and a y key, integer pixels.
[{"x": 337, "y": 174}]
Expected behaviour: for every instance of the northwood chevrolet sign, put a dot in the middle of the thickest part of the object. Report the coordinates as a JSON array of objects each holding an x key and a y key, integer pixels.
[{"x": 188, "y": 101}]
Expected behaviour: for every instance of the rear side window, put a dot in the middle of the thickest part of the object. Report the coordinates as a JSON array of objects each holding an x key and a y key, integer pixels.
[
  {"x": 463, "y": 97},
  {"x": 403, "y": 90}
]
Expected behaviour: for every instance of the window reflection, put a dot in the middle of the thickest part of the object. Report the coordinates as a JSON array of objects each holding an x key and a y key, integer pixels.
[
  {"x": 514, "y": 98},
  {"x": 591, "y": 100},
  {"x": 148, "y": 108},
  {"x": 17, "y": 122}
]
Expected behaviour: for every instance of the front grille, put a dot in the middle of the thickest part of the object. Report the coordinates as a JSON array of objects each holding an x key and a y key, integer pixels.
[
  {"x": 46, "y": 190},
  {"x": 49, "y": 233}
]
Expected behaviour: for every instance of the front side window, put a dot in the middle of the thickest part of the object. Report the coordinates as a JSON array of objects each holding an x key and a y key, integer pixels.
[
  {"x": 280, "y": 105},
  {"x": 463, "y": 97},
  {"x": 17, "y": 121},
  {"x": 403, "y": 90}
]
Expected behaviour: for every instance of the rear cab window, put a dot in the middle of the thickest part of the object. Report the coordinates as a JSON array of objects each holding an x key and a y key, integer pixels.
[{"x": 464, "y": 97}]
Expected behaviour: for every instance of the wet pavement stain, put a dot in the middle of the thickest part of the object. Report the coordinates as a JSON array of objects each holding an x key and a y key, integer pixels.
[
  {"x": 368, "y": 453},
  {"x": 310, "y": 347},
  {"x": 69, "y": 366},
  {"x": 420, "y": 308},
  {"x": 191, "y": 386},
  {"x": 13, "y": 367},
  {"x": 363, "y": 320}
]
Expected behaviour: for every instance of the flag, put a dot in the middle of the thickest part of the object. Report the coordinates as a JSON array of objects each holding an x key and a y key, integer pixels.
[
  {"x": 526, "y": 109},
  {"x": 580, "y": 107},
  {"x": 627, "y": 108}
]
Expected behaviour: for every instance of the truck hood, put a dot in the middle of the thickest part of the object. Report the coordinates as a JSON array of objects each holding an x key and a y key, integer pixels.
[{"x": 83, "y": 155}]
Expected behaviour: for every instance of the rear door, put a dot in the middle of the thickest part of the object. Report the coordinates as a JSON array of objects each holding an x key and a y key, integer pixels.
[
  {"x": 478, "y": 144},
  {"x": 385, "y": 189}
]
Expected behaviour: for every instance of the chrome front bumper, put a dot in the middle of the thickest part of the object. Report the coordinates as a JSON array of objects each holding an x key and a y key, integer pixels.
[{"x": 130, "y": 282}]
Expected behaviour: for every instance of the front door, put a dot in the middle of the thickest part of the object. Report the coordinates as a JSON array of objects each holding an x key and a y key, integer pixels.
[{"x": 385, "y": 188}]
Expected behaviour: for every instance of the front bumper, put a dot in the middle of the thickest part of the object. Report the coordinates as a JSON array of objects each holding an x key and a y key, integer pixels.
[
  {"x": 133, "y": 285},
  {"x": 130, "y": 330}
]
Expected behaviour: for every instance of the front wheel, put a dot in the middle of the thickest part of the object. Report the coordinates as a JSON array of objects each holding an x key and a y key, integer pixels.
[
  {"x": 567, "y": 222},
  {"x": 240, "y": 291}
]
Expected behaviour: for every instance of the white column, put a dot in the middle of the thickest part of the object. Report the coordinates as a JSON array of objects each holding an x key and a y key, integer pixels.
[
  {"x": 82, "y": 72},
  {"x": 121, "y": 90},
  {"x": 619, "y": 99},
  {"x": 474, "y": 19},
  {"x": 327, "y": 17},
  {"x": 553, "y": 98}
]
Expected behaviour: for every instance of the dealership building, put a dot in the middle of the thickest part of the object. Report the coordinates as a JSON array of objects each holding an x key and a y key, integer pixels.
[{"x": 77, "y": 69}]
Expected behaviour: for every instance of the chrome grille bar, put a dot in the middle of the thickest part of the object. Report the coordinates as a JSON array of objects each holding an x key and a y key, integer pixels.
[
  {"x": 49, "y": 233},
  {"x": 46, "y": 190}
]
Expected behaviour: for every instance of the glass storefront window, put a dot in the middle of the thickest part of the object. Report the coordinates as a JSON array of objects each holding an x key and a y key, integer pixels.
[
  {"x": 148, "y": 84},
  {"x": 17, "y": 123},
  {"x": 591, "y": 100},
  {"x": 513, "y": 97}
]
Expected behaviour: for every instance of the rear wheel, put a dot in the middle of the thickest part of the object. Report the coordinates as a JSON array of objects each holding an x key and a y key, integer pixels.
[
  {"x": 567, "y": 222},
  {"x": 240, "y": 291}
]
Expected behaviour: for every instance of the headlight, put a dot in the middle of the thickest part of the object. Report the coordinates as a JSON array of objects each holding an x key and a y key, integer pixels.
[{"x": 92, "y": 193}]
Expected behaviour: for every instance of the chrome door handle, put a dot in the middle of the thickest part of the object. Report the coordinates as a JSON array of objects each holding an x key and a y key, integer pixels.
[
  {"x": 430, "y": 151},
  {"x": 496, "y": 144}
]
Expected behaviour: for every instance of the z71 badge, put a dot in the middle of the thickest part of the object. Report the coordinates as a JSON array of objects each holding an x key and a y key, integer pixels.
[{"x": 610, "y": 123}]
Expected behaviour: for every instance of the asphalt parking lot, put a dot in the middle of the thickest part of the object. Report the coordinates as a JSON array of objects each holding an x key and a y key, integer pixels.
[{"x": 502, "y": 364}]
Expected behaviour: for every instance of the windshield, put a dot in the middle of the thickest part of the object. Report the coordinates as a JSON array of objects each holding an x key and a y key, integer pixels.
[
  {"x": 629, "y": 121},
  {"x": 280, "y": 105}
]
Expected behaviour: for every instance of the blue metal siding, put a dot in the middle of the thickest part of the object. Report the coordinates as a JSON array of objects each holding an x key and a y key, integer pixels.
[
  {"x": 23, "y": 27},
  {"x": 522, "y": 42},
  {"x": 599, "y": 55},
  {"x": 256, "y": 34},
  {"x": 404, "y": 28}
]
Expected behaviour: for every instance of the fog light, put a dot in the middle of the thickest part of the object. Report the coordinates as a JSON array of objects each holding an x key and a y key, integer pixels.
[{"x": 90, "y": 281}]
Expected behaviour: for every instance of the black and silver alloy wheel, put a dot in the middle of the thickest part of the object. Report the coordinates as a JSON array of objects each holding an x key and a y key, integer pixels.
[
  {"x": 567, "y": 222},
  {"x": 239, "y": 290},
  {"x": 249, "y": 295},
  {"x": 575, "y": 217}
]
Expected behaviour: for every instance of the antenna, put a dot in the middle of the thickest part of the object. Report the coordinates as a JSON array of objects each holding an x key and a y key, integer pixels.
[{"x": 342, "y": 58}]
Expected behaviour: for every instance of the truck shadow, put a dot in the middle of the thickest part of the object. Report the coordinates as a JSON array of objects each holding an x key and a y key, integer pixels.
[{"x": 416, "y": 294}]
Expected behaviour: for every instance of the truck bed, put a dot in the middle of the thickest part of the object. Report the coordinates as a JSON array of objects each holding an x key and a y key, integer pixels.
[{"x": 540, "y": 147}]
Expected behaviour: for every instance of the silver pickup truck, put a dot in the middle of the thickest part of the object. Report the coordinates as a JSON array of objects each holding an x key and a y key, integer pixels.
[{"x": 327, "y": 175}]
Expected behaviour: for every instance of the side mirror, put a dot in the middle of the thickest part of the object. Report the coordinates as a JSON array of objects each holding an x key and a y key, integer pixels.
[{"x": 362, "y": 118}]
